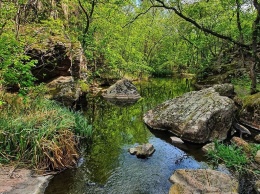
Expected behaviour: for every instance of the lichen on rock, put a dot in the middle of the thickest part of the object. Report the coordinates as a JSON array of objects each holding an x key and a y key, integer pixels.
[{"x": 198, "y": 116}]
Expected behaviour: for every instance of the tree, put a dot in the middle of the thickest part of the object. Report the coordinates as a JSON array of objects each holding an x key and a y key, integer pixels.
[
  {"x": 255, "y": 34},
  {"x": 178, "y": 7}
]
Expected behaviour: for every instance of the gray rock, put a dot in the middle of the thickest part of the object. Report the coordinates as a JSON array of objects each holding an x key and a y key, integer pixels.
[
  {"x": 198, "y": 116},
  {"x": 257, "y": 157},
  {"x": 64, "y": 90},
  {"x": 208, "y": 147},
  {"x": 122, "y": 89},
  {"x": 202, "y": 181},
  {"x": 22, "y": 181},
  {"x": 224, "y": 89},
  {"x": 176, "y": 140},
  {"x": 142, "y": 151}
]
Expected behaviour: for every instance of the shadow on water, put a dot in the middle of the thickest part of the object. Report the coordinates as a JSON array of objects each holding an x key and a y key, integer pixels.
[{"x": 107, "y": 167}]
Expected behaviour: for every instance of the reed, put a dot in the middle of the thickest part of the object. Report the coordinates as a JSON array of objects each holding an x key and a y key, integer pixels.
[{"x": 40, "y": 133}]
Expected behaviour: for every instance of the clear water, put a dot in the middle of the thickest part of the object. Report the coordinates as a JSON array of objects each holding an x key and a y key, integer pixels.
[{"x": 107, "y": 167}]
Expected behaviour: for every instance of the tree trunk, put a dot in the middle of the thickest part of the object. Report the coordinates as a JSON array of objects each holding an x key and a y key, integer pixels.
[
  {"x": 17, "y": 20},
  {"x": 239, "y": 27},
  {"x": 255, "y": 33}
]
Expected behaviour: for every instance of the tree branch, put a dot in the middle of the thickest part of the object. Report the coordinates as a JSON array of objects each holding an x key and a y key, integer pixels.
[
  {"x": 197, "y": 25},
  {"x": 88, "y": 17},
  {"x": 136, "y": 17}
]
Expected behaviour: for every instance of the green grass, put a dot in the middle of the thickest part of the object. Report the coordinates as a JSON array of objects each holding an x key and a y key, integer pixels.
[
  {"x": 230, "y": 155},
  {"x": 234, "y": 157},
  {"x": 40, "y": 133},
  {"x": 242, "y": 86}
]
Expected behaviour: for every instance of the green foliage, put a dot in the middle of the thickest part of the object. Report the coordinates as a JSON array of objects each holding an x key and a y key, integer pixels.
[
  {"x": 242, "y": 86},
  {"x": 15, "y": 66},
  {"x": 230, "y": 155},
  {"x": 118, "y": 43},
  {"x": 82, "y": 128}
]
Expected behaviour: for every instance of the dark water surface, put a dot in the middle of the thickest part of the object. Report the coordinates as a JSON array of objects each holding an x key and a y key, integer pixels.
[{"x": 107, "y": 167}]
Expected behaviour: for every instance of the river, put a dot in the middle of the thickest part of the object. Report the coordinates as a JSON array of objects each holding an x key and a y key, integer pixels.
[{"x": 106, "y": 166}]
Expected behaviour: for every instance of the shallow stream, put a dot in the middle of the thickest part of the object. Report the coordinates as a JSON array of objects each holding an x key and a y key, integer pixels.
[{"x": 107, "y": 167}]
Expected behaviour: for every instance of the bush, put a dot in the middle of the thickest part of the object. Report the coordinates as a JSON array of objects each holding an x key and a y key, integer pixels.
[{"x": 15, "y": 66}]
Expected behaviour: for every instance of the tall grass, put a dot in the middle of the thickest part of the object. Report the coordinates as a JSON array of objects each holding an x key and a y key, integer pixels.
[{"x": 40, "y": 133}]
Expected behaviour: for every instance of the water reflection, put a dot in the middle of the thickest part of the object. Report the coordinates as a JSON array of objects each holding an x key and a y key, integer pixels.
[{"x": 107, "y": 167}]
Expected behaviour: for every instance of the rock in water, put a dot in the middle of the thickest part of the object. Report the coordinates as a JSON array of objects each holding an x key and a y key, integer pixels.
[
  {"x": 202, "y": 181},
  {"x": 122, "y": 89},
  {"x": 142, "y": 151},
  {"x": 198, "y": 116},
  {"x": 65, "y": 90},
  {"x": 176, "y": 140}
]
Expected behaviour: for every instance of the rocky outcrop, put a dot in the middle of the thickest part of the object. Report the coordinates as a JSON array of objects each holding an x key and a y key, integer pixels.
[
  {"x": 198, "y": 116},
  {"x": 142, "y": 151},
  {"x": 57, "y": 56},
  {"x": 14, "y": 181},
  {"x": 61, "y": 64},
  {"x": 64, "y": 90},
  {"x": 122, "y": 89},
  {"x": 202, "y": 181}
]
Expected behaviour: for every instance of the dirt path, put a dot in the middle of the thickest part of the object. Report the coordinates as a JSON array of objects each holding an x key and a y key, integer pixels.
[{"x": 17, "y": 181}]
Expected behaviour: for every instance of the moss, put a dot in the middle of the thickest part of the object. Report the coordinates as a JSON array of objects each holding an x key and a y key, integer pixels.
[
  {"x": 252, "y": 101},
  {"x": 83, "y": 85}
]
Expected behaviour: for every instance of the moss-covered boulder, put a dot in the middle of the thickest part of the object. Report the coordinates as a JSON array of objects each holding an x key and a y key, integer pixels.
[
  {"x": 56, "y": 54},
  {"x": 250, "y": 111},
  {"x": 198, "y": 116}
]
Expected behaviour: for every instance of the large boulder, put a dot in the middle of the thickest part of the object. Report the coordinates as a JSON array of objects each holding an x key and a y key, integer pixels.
[
  {"x": 61, "y": 63},
  {"x": 65, "y": 90},
  {"x": 57, "y": 56},
  {"x": 122, "y": 89},
  {"x": 198, "y": 116},
  {"x": 202, "y": 181}
]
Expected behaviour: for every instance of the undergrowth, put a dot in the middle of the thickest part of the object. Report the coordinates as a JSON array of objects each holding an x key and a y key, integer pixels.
[
  {"x": 40, "y": 133},
  {"x": 242, "y": 86},
  {"x": 234, "y": 157}
]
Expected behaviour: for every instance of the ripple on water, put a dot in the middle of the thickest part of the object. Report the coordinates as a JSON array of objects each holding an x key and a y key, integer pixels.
[{"x": 131, "y": 176}]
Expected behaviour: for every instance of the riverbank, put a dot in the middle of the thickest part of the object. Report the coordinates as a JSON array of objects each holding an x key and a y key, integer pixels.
[{"x": 39, "y": 134}]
